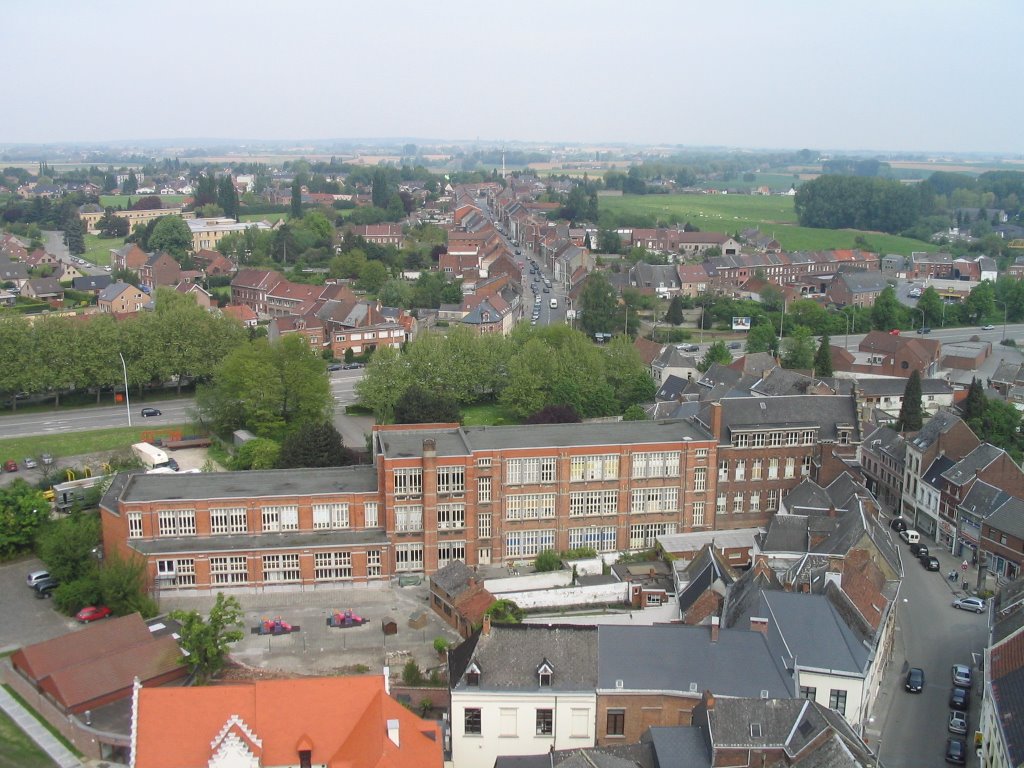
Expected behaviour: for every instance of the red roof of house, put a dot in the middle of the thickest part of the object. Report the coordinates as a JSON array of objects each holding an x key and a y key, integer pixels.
[
  {"x": 240, "y": 312},
  {"x": 342, "y": 721}
]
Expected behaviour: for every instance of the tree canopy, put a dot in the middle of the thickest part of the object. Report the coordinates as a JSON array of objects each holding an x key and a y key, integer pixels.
[
  {"x": 314, "y": 445},
  {"x": 207, "y": 640},
  {"x": 171, "y": 234},
  {"x": 911, "y": 414}
]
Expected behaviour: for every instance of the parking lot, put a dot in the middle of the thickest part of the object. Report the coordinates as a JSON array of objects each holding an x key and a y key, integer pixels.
[{"x": 26, "y": 619}]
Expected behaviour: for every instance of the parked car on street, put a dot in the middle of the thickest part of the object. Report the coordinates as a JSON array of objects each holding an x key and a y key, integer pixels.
[
  {"x": 30, "y": 463},
  {"x": 957, "y": 722},
  {"x": 47, "y": 459},
  {"x": 988, "y": 327},
  {"x": 976, "y": 604},
  {"x": 898, "y": 524},
  {"x": 924, "y": 329},
  {"x": 45, "y": 587},
  {"x": 956, "y": 752},
  {"x": 930, "y": 563},
  {"x": 34, "y": 577},
  {"x": 915, "y": 680},
  {"x": 151, "y": 412},
  {"x": 960, "y": 698},
  {"x": 962, "y": 675},
  {"x": 10, "y": 466}
]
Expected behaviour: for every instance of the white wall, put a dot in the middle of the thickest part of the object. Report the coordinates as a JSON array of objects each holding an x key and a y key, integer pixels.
[
  {"x": 824, "y": 683},
  {"x": 596, "y": 594},
  {"x": 528, "y": 582},
  {"x": 481, "y": 751}
]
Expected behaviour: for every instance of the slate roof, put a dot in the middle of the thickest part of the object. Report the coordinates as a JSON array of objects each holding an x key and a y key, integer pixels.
[
  {"x": 827, "y": 412},
  {"x": 91, "y": 282},
  {"x": 454, "y": 578},
  {"x": 613, "y": 756},
  {"x": 937, "y": 425},
  {"x": 782, "y": 381},
  {"x": 509, "y": 656},
  {"x": 683, "y": 658},
  {"x": 808, "y": 495},
  {"x": 112, "y": 291},
  {"x": 983, "y": 499},
  {"x": 680, "y": 747},
  {"x": 705, "y": 571},
  {"x": 671, "y": 388},
  {"x": 933, "y": 474},
  {"x": 1009, "y": 517},
  {"x": 896, "y": 387},
  {"x": 886, "y": 440},
  {"x": 809, "y": 628},
  {"x": 863, "y": 281},
  {"x": 977, "y": 459}
]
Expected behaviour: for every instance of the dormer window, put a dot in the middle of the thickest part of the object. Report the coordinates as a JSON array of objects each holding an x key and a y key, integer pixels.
[
  {"x": 473, "y": 675},
  {"x": 544, "y": 674}
]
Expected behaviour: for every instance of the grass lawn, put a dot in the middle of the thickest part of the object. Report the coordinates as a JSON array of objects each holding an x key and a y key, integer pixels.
[
  {"x": 17, "y": 750},
  {"x": 771, "y": 214},
  {"x": 97, "y": 249},
  {"x": 42, "y": 721},
  {"x": 268, "y": 217},
  {"x": 121, "y": 201},
  {"x": 488, "y": 415},
  {"x": 78, "y": 443}
]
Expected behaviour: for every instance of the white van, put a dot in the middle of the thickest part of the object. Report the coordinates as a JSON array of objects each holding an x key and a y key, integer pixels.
[
  {"x": 554, "y": 303},
  {"x": 911, "y": 537}
]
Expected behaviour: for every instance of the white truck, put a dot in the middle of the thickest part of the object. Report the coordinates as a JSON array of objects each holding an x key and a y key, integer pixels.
[{"x": 151, "y": 456}]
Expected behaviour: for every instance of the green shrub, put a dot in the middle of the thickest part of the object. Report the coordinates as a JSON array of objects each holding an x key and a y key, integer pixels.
[
  {"x": 548, "y": 560},
  {"x": 411, "y": 674},
  {"x": 440, "y": 644},
  {"x": 71, "y": 596}
]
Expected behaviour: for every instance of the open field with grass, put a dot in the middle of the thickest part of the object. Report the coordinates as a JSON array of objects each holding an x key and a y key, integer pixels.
[
  {"x": 97, "y": 249},
  {"x": 771, "y": 214},
  {"x": 121, "y": 201},
  {"x": 79, "y": 443},
  {"x": 17, "y": 750},
  {"x": 268, "y": 217}
]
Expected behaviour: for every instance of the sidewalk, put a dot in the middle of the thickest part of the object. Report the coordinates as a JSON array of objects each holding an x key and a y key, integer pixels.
[{"x": 28, "y": 723}]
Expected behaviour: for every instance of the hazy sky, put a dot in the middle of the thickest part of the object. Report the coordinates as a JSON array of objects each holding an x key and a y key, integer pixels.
[{"x": 929, "y": 75}]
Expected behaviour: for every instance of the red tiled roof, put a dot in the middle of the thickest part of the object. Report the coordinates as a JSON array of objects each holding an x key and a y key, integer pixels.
[{"x": 343, "y": 721}]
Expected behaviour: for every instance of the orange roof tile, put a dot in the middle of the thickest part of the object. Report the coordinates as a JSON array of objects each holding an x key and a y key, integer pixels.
[{"x": 341, "y": 720}]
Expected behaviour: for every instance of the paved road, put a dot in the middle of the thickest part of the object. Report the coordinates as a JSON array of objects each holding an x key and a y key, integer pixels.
[
  {"x": 933, "y": 635},
  {"x": 945, "y": 335},
  {"x": 54, "y": 243}
]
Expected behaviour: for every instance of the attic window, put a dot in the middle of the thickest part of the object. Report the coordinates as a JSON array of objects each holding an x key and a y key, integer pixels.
[
  {"x": 805, "y": 728},
  {"x": 473, "y": 674},
  {"x": 544, "y": 674},
  {"x": 755, "y": 730},
  {"x": 305, "y": 758}
]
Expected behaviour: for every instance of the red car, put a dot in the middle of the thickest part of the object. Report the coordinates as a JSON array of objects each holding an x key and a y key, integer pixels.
[
  {"x": 92, "y": 613},
  {"x": 10, "y": 466}
]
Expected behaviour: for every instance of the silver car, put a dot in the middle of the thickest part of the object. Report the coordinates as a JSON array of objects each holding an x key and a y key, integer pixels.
[
  {"x": 976, "y": 604},
  {"x": 957, "y": 722},
  {"x": 962, "y": 675}
]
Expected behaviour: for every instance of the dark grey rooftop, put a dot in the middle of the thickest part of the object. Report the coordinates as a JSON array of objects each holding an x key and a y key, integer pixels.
[
  {"x": 886, "y": 440},
  {"x": 976, "y": 460},
  {"x": 247, "y": 541},
  {"x": 983, "y": 499},
  {"x": 807, "y": 496},
  {"x": 1009, "y": 518},
  {"x": 863, "y": 281},
  {"x": 246, "y": 485},
  {"x": 453, "y": 578},
  {"x": 671, "y": 388},
  {"x": 781, "y": 381},
  {"x": 680, "y": 746},
  {"x": 591, "y": 433},
  {"x": 937, "y": 425},
  {"x": 612, "y": 756},
  {"x": 826, "y": 412},
  {"x": 511, "y": 654},
  {"x": 813, "y": 631},
  {"x": 786, "y": 533},
  {"x": 933, "y": 475},
  {"x": 683, "y": 658},
  {"x": 896, "y": 387}
]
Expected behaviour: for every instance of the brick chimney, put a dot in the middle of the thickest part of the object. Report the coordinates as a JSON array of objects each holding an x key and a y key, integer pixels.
[
  {"x": 716, "y": 420},
  {"x": 715, "y": 625},
  {"x": 487, "y": 624},
  {"x": 758, "y": 624},
  {"x": 709, "y": 701}
]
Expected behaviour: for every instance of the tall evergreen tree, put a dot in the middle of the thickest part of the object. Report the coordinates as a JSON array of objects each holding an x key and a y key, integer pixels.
[
  {"x": 823, "y": 357},
  {"x": 296, "y": 200},
  {"x": 227, "y": 197},
  {"x": 911, "y": 416},
  {"x": 675, "y": 311},
  {"x": 74, "y": 236},
  {"x": 974, "y": 403}
]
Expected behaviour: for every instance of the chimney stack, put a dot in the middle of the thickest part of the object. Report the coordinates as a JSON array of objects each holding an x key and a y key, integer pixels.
[
  {"x": 758, "y": 624},
  {"x": 716, "y": 420},
  {"x": 487, "y": 624},
  {"x": 715, "y": 625}
]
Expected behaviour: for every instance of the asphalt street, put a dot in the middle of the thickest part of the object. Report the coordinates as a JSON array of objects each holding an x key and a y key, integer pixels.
[{"x": 934, "y": 636}]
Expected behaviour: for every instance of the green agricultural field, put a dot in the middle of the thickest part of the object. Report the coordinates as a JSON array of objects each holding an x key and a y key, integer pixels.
[
  {"x": 771, "y": 214},
  {"x": 270, "y": 218},
  {"x": 121, "y": 201}
]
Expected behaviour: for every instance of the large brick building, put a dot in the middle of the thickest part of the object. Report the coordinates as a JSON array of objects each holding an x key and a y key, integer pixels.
[{"x": 437, "y": 493}]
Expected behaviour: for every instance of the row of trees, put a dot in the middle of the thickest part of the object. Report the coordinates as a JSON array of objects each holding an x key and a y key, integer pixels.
[
  {"x": 179, "y": 340},
  {"x": 532, "y": 368}
]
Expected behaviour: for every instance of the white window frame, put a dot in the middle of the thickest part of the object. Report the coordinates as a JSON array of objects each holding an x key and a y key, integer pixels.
[
  {"x": 594, "y": 467},
  {"x": 483, "y": 490},
  {"x": 332, "y": 516},
  {"x": 451, "y": 478},
  {"x": 530, "y": 506},
  {"x": 697, "y": 515},
  {"x": 408, "y": 481},
  {"x": 593, "y": 503},
  {"x": 700, "y": 479},
  {"x": 371, "y": 518},
  {"x": 409, "y": 557},
  {"x": 451, "y": 517},
  {"x": 409, "y": 517},
  {"x": 134, "y": 525},
  {"x": 278, "y": 568},
  {"x": 229, "y": 571}
]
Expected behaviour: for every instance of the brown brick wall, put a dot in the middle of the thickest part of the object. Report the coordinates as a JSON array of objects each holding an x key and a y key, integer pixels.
[{"x": 641, "y": 712}]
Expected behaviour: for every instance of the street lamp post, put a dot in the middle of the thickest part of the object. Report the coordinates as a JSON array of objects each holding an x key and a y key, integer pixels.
[
  {"x": 127, "y": 402},
  {"x": 997, "y": 301},
  {"x": 918, "y": 309}
]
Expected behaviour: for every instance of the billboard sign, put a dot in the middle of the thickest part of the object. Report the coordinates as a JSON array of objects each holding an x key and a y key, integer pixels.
[{"x": 741, "y": 323}]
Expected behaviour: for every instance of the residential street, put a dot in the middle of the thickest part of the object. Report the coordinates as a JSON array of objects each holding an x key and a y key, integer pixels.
[{"x": 934, "y": 636}]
